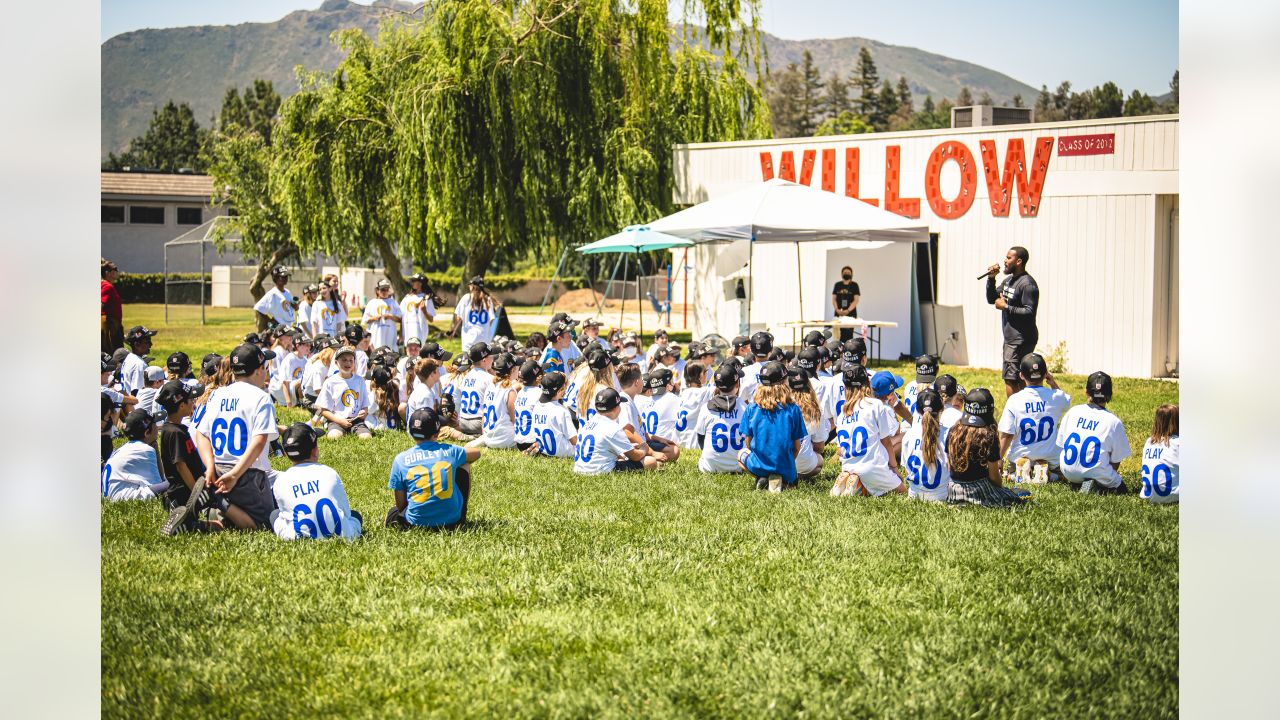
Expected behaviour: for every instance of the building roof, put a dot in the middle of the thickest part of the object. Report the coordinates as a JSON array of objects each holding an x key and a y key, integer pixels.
[{"x": 157, "y": 184}]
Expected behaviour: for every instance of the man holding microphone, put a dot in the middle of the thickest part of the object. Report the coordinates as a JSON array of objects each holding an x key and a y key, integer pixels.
[{"x": 1017, "y": 297}]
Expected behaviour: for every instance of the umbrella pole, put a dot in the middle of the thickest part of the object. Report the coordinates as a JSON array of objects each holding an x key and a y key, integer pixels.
[
  {"x": 622, "y": 306},
  {"x": 799, "y": 285},
  {"x": 639, "y": 305}
]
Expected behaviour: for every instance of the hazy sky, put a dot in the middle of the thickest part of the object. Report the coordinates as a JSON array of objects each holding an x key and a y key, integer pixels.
[{"x": 1133, "y": 42}]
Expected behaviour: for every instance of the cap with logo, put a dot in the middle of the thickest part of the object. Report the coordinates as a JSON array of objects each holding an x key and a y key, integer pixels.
[
  {"x": 209, "y": 364},
  {"x": 564, "y": 319},
  {"x": 701, "y": 350},
  {"x": 979, "y": 408},
  {"x": 665, "y": 351},
  {"x": 946, "y": 386},
  {"x": 354, "y": 334},
  {"x": 286, "y": 330},
  {"x": 815, "y": 338},
  {"x": 926, "y": 368},
  {"x": 530, "y": 372},
  {"x": 591, "y": 322},
  {"x": 798, "y": 378},
  {"x": 1098, "y": 386},
  {"x": 434, "y": 351},
  {"x": 597, "y": 358},
  {"x": 855, "y": 376},
  {"x": 298, "y": 441},
  {"x": 424, "y": 423},
  {"x": 503, "y": 364},
  {"x": 551, "y": 383},
  {"x": 419, "y": 277},
  {"x": 929, "y": 400},
  {"x": 658, "y": 379},
  {"x": 137, "y": 424},
  {"x": 608, "y": 399},
  {"x": 854, "y": 350},
  {"x": 761, "y": 344},
  {"x": 247, "y": 358},
  {"x": 773, "y": 372},
  {"x": 808, "y": 360},
  {"x": 312, "y": 288},
  {"x": 380, "y": 376},
  {"x": 178, "y": 363},
  {"x": 345, "y": 350},
  {"x": 556, "y": 329},
  {"x": 172, "y": 394},
  {"x": 383, "y": 284},
  {"x": 280, "y": 271},
  {"x": 740, "y": 342},
  {"x": 137, "y": 334},
  {"x": 479, "y": 352},
  {"x": 1033, "y": 367},
  {"x": 253, "y": 338},
  {"x": 885, "y": 382},
  {"x": 411, "y": 340},
  {"x": 108, "y": 365},
  {"x": 476, "y": 280},
  {"x": 727, "y": 375}
]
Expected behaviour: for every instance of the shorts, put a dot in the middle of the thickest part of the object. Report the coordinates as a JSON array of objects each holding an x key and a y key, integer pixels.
[
  {"x": 471, "y": 426},
  {"x": 356, "y": 427},
  {"x": 522, "y": 446},
  {"x": 252, "y": 494},
  {"x": 879, "y": 480},
  {"x": 307, "y": 401},
  {"x": 657, "y": 445},
  {"x": 1013, "y": 354},
  {"x": 628, "y": 466}
]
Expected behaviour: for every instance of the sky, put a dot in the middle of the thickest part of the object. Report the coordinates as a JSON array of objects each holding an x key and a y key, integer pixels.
[{"x": 1132, "y": 42}]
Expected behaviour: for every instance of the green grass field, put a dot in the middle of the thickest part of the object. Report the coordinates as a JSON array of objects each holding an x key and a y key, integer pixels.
[{"x": 675, "y": 593}]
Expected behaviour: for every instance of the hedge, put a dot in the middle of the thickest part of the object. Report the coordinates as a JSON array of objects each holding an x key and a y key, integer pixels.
[
  {"x": 449, "y": 280},
  {"x": 149, "y": 288}
]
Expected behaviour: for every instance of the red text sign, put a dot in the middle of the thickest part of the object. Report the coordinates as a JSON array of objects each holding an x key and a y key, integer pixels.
[{"x": 1087, "y": 145}]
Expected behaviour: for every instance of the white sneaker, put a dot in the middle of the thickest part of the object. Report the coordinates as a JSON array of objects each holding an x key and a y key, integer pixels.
[
  {"x": 851, "y": 485},
  {"x": 842, "y": 480},
  {"x": 1040, "y": 473},
  {"x": 775, "y": 483},
  {"x": 1022, "y": 471}
]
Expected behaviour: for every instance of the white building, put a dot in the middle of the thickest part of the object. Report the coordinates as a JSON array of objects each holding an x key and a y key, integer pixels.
[
  {"x": 1094, "y": 202},
  {"x": 143, "y": 211}
]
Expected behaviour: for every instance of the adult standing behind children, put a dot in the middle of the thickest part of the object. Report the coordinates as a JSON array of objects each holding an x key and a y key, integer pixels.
[
  {"x": 112, "y": 309},
  {"x": 476, "y": 314},
  {"x": 844, "y": 299},
  {"x": 417, "y": 309},
  {"x": 1017, "y": 297},
  {"x": 277, "y": 306}
]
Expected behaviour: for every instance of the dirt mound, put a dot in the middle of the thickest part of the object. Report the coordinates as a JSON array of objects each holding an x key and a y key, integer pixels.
[{"x": 581, "y": 301}]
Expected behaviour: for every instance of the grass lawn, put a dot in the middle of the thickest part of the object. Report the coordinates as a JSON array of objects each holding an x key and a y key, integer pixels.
[{"x": 671, "y": 594}]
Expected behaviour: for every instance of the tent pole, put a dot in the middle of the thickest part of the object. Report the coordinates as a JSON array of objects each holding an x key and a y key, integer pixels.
[
  {"x": 622, "y": 306},
  {"x": 933, "y": 293},
  {"x": 799, "y": 283},
  {"x": 684, "y": 320},
  {"x": 547, "y": 295},
  {"x": 639, "y": 305},
  {"x": 751, "y": 283}
]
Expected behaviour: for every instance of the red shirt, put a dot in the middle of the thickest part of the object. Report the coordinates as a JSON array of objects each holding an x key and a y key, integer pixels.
[{"x": 112, "y": 307}]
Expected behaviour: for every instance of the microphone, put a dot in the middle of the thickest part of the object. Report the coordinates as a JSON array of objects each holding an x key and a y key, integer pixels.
[{"x": 984, "y": 275}]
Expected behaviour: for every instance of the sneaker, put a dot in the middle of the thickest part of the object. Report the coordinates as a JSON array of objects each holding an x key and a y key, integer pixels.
[
  {"x": 762, "y": 483},
  {"x": 841, "y": 481},
  {"x": 853, "y": 485},
  {"x": 1022, "y": 471},
  {"x": 775, "y": 483},
  {"x": 178, "y": 516},
  {"x": 213, "y": 520},
  {"x": 1040, "y": 473}
]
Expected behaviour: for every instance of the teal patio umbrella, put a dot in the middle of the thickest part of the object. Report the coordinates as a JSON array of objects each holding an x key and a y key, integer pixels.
[{"x": 634, "y": 239}]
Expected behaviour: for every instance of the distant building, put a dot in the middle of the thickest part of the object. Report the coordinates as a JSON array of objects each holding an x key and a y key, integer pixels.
[{"x": 143, "y": 211}]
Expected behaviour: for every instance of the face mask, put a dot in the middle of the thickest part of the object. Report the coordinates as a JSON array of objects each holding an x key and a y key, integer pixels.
[
  {"x": 847, "y": 277},
  {"x": 629, "y": 351}
]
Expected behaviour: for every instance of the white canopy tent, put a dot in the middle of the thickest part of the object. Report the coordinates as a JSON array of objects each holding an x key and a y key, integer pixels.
[{"x": 827, "y": 225}]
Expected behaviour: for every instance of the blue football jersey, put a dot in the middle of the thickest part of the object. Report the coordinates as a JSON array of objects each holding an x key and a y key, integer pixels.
[{"x": 427, "y": 473}]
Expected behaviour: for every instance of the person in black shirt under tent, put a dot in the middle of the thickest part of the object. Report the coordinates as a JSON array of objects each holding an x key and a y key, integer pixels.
[
  {"x": 1017, "y": 297},
  {"x": 844, "y": 299}
]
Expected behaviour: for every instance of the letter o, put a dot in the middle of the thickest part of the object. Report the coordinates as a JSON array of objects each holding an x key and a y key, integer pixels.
[{"x": 960, "y": 154}]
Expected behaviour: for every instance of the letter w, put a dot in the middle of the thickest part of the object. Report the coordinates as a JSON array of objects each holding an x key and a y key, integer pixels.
[
  {"x": 1000, "y": 188},
  {"x": 787, "y": 166}
]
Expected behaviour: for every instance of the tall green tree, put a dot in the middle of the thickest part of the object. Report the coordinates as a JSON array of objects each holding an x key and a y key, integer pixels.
[
  {"x": 1017, "y": 100},
  {"x": 904, "y": 95},
  {"x": 836, "y": 100},
  {"x": 255, "y": 110},
  {"x": 510, "y": 126},
  {"x": 886, "y": 106},
  {"x": 1044, "y": 109},
  {"x": 786, "y": 102},
  {"x": 1108, "y": 101},
  {"x": 986, "y": 99},
  {"x": 965, "y": 97},
  {"x": 846, "y": 123},
  {"x": 1062, "y": 97},
  {"x": 866, "y": 80},
  {"x": 172, "y": 142},
  {"x": 1173, "y": 87},
  {"x": 811, "y": 97},
  {"x": 1139, "y": 103}
]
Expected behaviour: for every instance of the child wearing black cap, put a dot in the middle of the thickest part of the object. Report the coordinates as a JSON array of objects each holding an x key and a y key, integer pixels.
[
  {"x": 924, "y": 451},
  {"x": 865, "y": 433},
  {"x": 1029, "y": 424},
  {"x": 553, "y": 427},
  {"x": 604, "y": 440},
  {"x": 818, "y": 426},
  {"x": 952, "y": 394},
  {"x": 499, "y": 407},
  {"x": 384, "y": 401},
  {"x": 358, "y": 339},
  {"x": 926, "y": 373},
  {"x": 382, "y": 315},
  {"x": 431, "y": 480},
  {"x": 344, "y": 398},
  {"x": 772, "y": 428},
  {"x": 693, "y": 398},
  {"x": 719, "y": 426},
  {"x": 311, "y": 501},
  {"x": 133, "y": 367},
  {"x": 1093, "y": 442},
  {"x": 131, "y": 472},
  {"x": 595, "y": 374},
  {"x": 526, "y": 397},
  {"x": 558, "y": 341},
  {"x": 973, "y": 456},
  {"x": 469, "y": 391},
  {"x": 180, "y": 464},
  {"x": 761, "y": 346},
  {"x": 659, "y": 411}
]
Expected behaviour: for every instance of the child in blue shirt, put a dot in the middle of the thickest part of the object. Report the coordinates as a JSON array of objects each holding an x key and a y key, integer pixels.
[
  {"x": 773, "y": 427},
  {"x": 558, "y": 341},
  {"x": 432, "y": 481}
]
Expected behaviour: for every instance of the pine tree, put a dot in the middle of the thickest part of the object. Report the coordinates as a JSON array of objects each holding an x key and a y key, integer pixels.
[
  {"x": 1044, "y": 111},
  {"x": 836, "y": 100},
  {"x": 810, "y": 110},
  {"x": 965, "y": 97},
  {"x": 886, "y": 106},
  {"x": 1108, "y": 101},
  {"x": 1062, "y": 96},
  {"x": 1017, "y": 101},
  {"x": 172, "y": 142},
  {"x": 786, "y": 90},
  {"x": 866, "y": 80},
  {"x": 1082, "y": 106},
  {"x": 986, "y": 99},
  {"x": 1139, "y": 103},
  {"x": 904, "y": 95},
  {"x": 1173, "y": 87},
  {"x": 846, "y": 123}
]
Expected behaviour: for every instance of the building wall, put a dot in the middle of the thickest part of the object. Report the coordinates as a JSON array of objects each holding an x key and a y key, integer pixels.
[
  {"x": 138, "y": 248},
  {"x": 1093, "y": 240}
]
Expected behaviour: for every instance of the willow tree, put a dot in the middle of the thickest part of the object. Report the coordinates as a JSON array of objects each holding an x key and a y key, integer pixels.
[{"x": 501, "y": 126}]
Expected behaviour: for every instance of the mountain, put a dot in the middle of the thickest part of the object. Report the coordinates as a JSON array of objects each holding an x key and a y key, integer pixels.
[{"x": 143, "y": 69}]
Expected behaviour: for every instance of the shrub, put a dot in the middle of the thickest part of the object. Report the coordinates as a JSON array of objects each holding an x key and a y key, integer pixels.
[
  {"x": 1056, "y": 357},
  {"x": 149, "y": 288}
]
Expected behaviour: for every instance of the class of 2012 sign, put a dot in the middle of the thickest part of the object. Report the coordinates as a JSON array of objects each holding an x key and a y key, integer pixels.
[{"x": 1015, "y": 175}]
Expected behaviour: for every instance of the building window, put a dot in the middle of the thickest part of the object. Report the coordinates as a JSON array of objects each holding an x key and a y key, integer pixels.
[
  {"x": 190, "y": 216},
  {"x": 145, "y": 215},
  {"x": 112, "y": 213}
]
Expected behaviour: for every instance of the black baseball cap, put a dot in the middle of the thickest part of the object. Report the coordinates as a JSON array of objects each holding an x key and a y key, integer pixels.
[
  {"x": 658, "y": 379},
  {"x": 700, "y": 350},
  {"x": 773, "y": 372},
  {"x": 247, "y": 358},
  {"x": 598, "y": 359},
  {"x": 424, "y": 423},
  {"x": 298, "y": 441},
  {"x": 434, "y": 351},
  {"x": 727, "y": 375},
  {"x": 380, "y": 376},
  {"x": 137, "y": 423},
  {"x": 815, "y": 338},
  {"x": 798, "y": 378},
  {"x": 419, "y": 277},
  {"x": 172, "y": 394},
  {"x": 552, "y": 383},
  {"x": 855, "y": 376},
  {"x": 503, "y": 363},
  {"x": 253, "y": 338},
  {"x": 476, "y": 280},
  {"x": 564, "y": 319},
  {"x": 530, "y": 371},
  {"x": 209, "y": 364},
  {"x": 1098, "y": 386},
  {"x": 854, "y": 350},
  {"x": 383, "y": 284},
  {"x": 659, "y": 333},
  {"x": 108, "y": 364},
  {"x": 761, "y": 344},
  {"x": 666, "y": 352},
  {"x": 929, "y": 400},
  {"x": 178, "y": 363},
  {"x": 354, "y": 334},
  {"x": 280, "y": 270},
  {"x": 808, "y": 360},
  {"x": 556, "y": 329},
  {"x": 946, "y": 386},
  {"x": 926, "y": 368},
  {"x": 739, "y": 342},
  {"x": 1033, "y": 366},
  {"x": 478, "y": 352},
  {"x": 137, "y": 334},
  {"x": 979, "y": 408},
  {"x": 591, "y": 322},
  {"x": 608, "y": 399}
]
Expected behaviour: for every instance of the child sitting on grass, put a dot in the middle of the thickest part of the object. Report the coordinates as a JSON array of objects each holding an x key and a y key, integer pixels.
[
  {"x": 311, "y": 501},
  {"x": 1160, "y": 457},
  {"x": 865, "y": 432},
  {"x": 973, "y": 455},
  {"x": 181, "y": 465},
  {"x": 554, "y": 433},
  {"x": 344, "y": 398},
  {"x": 431, "y": 480},
  {"x": 772, "y": 428},
  {"x": 924, "y": 452},
  {"x": 131, "y": 473},
  {"x": 809, "y": 460},
  {"x": 603, "y": 441},
  {"x": 693, "y": 398},
  {"x": 719, "y": 426},
  {"x": 1093, "y": 442}
]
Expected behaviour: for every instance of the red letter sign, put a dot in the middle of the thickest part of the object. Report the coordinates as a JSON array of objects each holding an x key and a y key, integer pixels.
[
  {"x": 1000, "y": 188},
  {"x": 851, "y": 167},
  {"x": 906, "y": 207},
  {"x": 959, "y": 153}
]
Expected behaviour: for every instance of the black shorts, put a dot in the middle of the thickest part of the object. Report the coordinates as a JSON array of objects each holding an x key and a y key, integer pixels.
[
  {"x": 524, "y": 446},
  {"x": 628, "y": 465},
  {"x": 252, "y": 494},
  {"x": 657, "y": 445},
  {"x": 471, "y": 426},
  {"x": 1013, "y": 354}
]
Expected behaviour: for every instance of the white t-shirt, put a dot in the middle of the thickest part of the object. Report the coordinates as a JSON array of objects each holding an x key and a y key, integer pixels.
[
  {"x": 525, "y": 400},
  {"x": 130, "y": 472},
  {"x": 748, "y": 382},
  {"x": 692, "y": 401},
  {"x": 344, "y": 397},
  {"x": 414, "y": 323},
  {"x": 859, "y": 433},
  {"x": 383, "y": 331},
  {"x": 949, "y": 417},
  {"x": 1032, "y": 416},
  {"x": 659, "y": 414},
  {"x": 1160, "y": 471},
  {"x": 362, "y": 363},
  {"x": 304, "y": 318},
  {"x": 574, "y": 379},
  {"x": 288, "y": 369},
  {"x": 553, "y": 429},
  {"x": 147, "y": 401},
  {"x": 477, "y": 325},
  {"x": 422, "y": 396},
  {"x": 326, "y": 317},
  {"x": 630, "y": 414},
  {"x": 723, "y": 439},
  {"x": 602, "y": 441},
  {"x": 234, "y": 414},
  {"x": 809, "y": 460},
  {"x": 499, "y": 428},
  {"x": 133, "y": 374},
  {"x": 1091, "y": 440},
  {"x": 925, "y": 482},
  {"x": 313, "y": 504},
  {"x": 313, "y": 376},
  {"x": 469, "y": 392},
  {"x": 836, "y": 395},
  {"x": 277, "y": 304}
]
